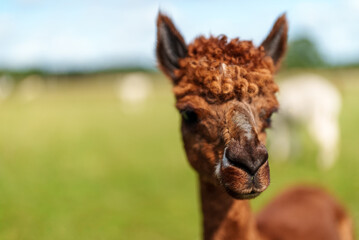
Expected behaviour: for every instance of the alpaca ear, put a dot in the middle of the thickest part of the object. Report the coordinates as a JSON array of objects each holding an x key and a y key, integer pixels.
[
  {"x": 275, "y": 44},
  {"x": 170, "y": 46}
]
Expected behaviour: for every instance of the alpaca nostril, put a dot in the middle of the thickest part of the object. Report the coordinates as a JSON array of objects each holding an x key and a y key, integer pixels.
[
  {"x": 242, "y": 164},
  {"x": 262, "y": 153},
  {"x": 245, "y": 161}
]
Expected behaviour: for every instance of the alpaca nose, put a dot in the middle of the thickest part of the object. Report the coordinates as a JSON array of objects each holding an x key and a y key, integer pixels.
[{"x": 247, "y": 158}]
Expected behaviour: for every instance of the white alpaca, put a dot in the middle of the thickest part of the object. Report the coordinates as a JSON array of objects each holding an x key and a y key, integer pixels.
[
  {"x": 6, "y": 86},
  {"x": 31, "y": 87},
  {"x": 313, "y": 102},
  {"x": 134, "y": 88}
]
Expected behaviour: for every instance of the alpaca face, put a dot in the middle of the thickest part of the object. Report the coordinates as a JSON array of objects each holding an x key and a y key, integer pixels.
[
  {"x": 225, "y": 144},
  {"x": 226, "y": 95},
  {"x": 224, "y": 141}
]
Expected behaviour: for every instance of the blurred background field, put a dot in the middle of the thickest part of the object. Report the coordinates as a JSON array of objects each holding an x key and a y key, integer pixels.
[{"x": 77, "y": 162}]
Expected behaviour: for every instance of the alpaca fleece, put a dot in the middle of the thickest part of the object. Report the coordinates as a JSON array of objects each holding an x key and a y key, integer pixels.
[{"x": 220, "y": 70}]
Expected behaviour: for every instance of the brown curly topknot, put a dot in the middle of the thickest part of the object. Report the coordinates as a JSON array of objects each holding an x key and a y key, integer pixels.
[{"x": 219, "y": 70}]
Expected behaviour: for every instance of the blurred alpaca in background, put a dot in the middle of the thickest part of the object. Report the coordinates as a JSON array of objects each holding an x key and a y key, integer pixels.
[
  {"x": 134, "y": 88},
  {"x": 310, "y": 101}
]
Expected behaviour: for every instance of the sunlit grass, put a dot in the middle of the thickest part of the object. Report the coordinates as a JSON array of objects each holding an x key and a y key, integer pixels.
[{"x": 77, "y": 163}]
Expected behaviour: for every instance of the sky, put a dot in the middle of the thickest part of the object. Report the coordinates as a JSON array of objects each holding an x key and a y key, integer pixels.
[{"x": 93, "y": 34}]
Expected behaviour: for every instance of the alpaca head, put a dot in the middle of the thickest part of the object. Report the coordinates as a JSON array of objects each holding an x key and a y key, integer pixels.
[{"x": 225, "y": 94}]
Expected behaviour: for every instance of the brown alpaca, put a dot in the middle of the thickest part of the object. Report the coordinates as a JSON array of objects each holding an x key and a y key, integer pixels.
[{"x": 225, "y": 93}]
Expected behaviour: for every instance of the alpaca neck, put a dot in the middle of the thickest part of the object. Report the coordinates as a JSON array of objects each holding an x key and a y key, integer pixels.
[{"x": 225, "y": 217}]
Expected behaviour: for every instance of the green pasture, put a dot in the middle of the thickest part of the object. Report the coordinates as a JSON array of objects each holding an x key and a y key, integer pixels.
[{"x": 77, "y": 163}]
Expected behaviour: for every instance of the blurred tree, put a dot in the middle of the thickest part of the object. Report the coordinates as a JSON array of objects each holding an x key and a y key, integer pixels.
[{"x": 302, "y": 53}]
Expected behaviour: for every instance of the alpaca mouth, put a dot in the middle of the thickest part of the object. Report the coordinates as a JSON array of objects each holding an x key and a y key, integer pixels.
[{"x": 243, "y": 196}]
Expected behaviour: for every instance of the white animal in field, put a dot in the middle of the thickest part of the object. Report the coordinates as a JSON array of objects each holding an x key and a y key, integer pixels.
[
  {"x": 31, "y": 87},
  {"x": 313, "y": 102},
  {"x": 134, "y": 88},
  {"x": 6, "y": 86}
]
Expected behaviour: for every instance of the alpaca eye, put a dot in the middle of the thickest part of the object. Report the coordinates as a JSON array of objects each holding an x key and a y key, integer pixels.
[
  {"x": 267, "y": 117},
  {"x": 269, "y": 121},
  {"x": 189, "y": 116}
]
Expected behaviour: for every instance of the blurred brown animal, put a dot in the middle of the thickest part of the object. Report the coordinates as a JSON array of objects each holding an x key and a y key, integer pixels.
[{"x": 225, "y": 92}]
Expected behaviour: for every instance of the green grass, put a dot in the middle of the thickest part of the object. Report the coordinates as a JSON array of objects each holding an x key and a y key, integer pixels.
[{"x": 76, "y": 163}]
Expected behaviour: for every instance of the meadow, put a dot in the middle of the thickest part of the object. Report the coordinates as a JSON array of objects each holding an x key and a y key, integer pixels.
[{"x": 76, "y": 162}]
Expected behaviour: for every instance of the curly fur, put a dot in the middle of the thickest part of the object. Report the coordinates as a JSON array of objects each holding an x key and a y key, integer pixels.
[{"x": 248, "y": 71}]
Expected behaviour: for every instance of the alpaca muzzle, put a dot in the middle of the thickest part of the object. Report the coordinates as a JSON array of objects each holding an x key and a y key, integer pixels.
[{"x": 243, "y": 174}]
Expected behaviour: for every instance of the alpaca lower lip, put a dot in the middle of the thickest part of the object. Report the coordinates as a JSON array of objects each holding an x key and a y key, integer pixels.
[
  {"x": 243, "y": 196},
  {"x": 251, "y": 195}
]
